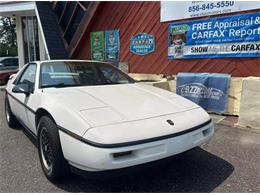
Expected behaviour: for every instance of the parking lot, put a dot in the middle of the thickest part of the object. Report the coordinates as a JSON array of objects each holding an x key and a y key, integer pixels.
[{"x": 228, "y": 163}]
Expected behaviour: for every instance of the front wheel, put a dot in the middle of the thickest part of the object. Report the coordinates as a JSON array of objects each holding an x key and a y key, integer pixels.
[{"x": 53, "y": 163}]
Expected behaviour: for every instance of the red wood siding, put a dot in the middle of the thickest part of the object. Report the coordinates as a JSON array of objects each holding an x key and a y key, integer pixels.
[{"x": 137, "y": 17}]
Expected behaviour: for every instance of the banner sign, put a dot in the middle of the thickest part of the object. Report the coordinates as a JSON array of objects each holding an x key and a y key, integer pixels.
[
  {"x": 142, "y": 44},
  {"x": 210, "y": 91},
  {"x": 112, "y": 45},
  {"x": 97, "y": 45},
  {"x": 177, "y": 10},
  {"x": 230, "y": 36}
]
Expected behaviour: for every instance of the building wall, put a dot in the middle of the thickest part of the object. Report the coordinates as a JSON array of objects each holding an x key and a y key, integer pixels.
[{"x": 137, "y": 17}]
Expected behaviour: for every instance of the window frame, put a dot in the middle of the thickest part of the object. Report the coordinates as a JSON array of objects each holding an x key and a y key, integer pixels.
[{"x": 18, "y": 78}]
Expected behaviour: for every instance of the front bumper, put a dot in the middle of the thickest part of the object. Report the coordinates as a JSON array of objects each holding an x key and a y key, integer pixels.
[{"x": 90, "y": 158}]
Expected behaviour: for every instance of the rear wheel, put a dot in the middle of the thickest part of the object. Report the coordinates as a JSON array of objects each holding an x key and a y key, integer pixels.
[
  {"x": 53, "y": 163},
  {"x": 10, "y": 118}
]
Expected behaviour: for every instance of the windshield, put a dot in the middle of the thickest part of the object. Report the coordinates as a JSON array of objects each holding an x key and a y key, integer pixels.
[{"x": 71, "y": 74}]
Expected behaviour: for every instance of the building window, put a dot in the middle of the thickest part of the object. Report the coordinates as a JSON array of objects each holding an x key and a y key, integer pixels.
[
  {"x": 74, "y": 24},
  {"x": 69, "y": 16},
  {"x": 59, "y": 7},
  {"x": 30, "y": 38}
]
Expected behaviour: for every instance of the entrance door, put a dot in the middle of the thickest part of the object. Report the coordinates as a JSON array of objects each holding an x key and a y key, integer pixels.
[{"x": 30, "y": 39}]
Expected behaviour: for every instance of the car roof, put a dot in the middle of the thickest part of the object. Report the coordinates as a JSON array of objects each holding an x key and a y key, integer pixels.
[{"x": 8, "y": 57}]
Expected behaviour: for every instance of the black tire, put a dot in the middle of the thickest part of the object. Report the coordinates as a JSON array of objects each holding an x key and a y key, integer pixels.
[
  {"x": 53, "y": 163},
  {"x": 10, "y": 118}
]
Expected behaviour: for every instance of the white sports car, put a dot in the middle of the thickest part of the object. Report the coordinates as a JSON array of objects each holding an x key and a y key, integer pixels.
[{"x": 90, "y": 116}]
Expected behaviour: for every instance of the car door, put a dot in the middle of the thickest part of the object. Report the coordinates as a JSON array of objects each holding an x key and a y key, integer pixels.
[{"x": 19, "y": 102}]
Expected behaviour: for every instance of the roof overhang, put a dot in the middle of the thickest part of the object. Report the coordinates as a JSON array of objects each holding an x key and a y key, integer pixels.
[{"x": 12, "y": 9}]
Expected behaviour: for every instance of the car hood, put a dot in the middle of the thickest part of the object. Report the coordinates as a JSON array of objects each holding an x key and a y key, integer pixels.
[{"x": 109, "y": 104}]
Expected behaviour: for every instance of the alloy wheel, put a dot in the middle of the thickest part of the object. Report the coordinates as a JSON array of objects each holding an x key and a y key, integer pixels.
[{"x": 46, "y": 150}]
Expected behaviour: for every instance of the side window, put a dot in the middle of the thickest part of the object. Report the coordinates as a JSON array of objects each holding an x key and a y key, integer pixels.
[
  {"x": 10, "y": 62},
  {"x": 4, "y": 62},
  {"x": 28, "y": 76},
  {"x": 15, "y": 62}
]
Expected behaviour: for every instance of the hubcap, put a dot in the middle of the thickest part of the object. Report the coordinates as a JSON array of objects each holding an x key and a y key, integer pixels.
[{"x": 46, "y": 150}]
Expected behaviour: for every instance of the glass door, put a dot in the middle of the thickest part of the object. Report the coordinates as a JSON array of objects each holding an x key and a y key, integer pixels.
[{"x": 30, "y": 38}]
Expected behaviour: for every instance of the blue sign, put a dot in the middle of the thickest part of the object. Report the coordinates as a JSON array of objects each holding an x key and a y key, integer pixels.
[
  {"x": 112, "y": 45},
  {"x": 229, "y": 36},
  {"x": 210, "y": 91},
  {"x": 142, "y": 44}
]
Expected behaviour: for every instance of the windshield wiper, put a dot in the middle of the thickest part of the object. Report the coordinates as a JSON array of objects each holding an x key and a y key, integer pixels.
[{"x": 61, "y": 85}]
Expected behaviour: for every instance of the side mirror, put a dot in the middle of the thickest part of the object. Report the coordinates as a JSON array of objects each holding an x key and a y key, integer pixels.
[
  {"x": 12, "y": 76},
  {"x": 22, "y": 88}
]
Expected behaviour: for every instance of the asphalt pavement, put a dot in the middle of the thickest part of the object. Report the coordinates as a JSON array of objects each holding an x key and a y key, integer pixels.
[{"x": 230, "y": 162}]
